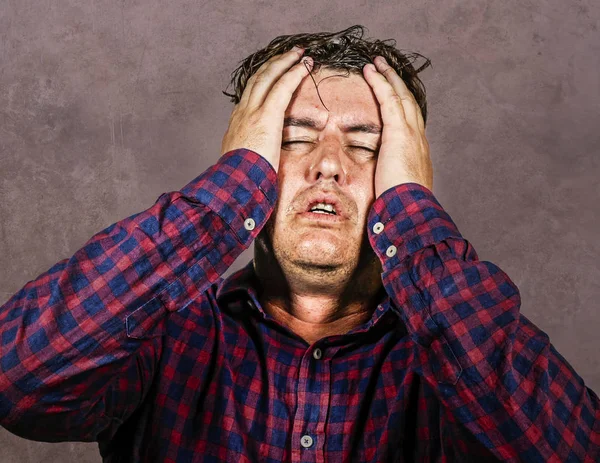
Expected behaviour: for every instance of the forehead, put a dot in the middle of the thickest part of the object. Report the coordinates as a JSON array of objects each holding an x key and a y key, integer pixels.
[{"x": 345, "y": 96}]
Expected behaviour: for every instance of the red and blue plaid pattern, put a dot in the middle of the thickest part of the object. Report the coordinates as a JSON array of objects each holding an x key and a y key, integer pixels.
[{"x": 136, "y": 342}]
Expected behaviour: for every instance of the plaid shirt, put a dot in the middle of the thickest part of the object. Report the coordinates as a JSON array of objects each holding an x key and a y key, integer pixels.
[{"x": 136, "y": 342}]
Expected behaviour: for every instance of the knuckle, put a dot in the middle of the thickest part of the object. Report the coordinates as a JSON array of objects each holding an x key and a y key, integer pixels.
[
  {"x": 253, "y": 119},
  {"x": 388, "y": 71},
  {"x": 262, "y": 70},
  {"x": 258, "y": 118},
  {"x": 267, "y": 63},
  {"x": 260, "y": 79},
  {"x": 253, "y": 78},
  {"x": 395, "y": 98}
]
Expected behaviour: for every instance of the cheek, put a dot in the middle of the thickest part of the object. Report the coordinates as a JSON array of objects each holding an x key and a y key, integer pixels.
[
  {"x": 290, "y": 178},
  {"x": 287, "y": 192},
  {"x": 362, "y": 185}
]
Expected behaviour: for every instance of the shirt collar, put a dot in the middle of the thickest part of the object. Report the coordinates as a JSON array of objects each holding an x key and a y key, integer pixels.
[
  {"x": 239, "y": 285},
  {"x": 243, "y": 285}
]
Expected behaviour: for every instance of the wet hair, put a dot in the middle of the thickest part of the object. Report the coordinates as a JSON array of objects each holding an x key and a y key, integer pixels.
[{"x": 345, "y": 51}]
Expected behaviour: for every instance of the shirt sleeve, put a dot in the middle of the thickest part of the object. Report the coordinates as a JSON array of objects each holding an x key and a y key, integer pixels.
[
  {"x": 492, "y": 368},
  {"x": 79, "y": 344}
]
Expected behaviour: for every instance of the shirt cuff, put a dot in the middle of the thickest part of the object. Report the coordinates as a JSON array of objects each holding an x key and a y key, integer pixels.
[
  {"x": 235, "y": 188},
  {"x": 405, "y": 219}
]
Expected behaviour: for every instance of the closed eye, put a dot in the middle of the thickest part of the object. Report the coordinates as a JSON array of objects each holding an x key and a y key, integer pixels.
[{"x": 286, "y": 143}]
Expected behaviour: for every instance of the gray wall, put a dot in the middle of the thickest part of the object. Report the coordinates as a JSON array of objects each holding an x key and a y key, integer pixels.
[{"x": 104, "y": 105}]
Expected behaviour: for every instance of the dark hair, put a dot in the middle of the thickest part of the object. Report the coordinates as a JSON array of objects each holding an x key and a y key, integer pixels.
[{"x": 344, "y": 51}]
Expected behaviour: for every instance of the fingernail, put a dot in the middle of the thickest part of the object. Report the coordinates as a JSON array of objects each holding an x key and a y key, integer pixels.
[
  {"x": 309, "y": 61},
  {"x": 297, "y": 49}
]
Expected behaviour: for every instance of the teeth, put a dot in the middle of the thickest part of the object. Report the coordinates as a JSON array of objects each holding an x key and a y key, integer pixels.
[{"x": 325, "y": 207}]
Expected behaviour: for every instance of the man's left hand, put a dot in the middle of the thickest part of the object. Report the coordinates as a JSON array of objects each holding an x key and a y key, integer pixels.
[{"x": 404, "y": 151}]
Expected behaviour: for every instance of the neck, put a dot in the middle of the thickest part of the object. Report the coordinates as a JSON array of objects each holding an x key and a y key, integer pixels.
[{"x": 315, "y": 302}]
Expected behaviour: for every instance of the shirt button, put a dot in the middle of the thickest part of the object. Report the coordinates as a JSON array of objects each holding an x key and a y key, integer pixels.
[
  {"x": 378, "y": 228},
  {"x": 317, "y": 354},
  {"x": 391, "y": 251},
  {"x": 249, "y": 224},
  {"x": 306, "y": 441}
]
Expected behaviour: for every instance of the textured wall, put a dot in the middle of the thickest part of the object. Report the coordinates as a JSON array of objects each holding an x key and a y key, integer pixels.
[{"x": 104, "y": 105}]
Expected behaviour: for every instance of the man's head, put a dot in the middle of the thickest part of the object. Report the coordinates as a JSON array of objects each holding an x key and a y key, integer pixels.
[
  {"x": 344, "y": 51},
  {"x": 332, "y": 131}
]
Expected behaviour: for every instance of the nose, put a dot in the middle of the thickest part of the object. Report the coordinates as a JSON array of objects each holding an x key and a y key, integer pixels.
[{"x": 327, "y": 164}]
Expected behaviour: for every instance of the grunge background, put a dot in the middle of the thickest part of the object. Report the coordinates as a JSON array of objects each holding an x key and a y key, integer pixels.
[{"x": 107, "y": 104}]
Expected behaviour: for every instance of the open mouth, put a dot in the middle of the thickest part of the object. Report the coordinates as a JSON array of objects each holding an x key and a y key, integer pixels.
[
  {"x": 318, "y": 211},
  {"x": 323, "y": 217},
  {"x": 323, "y": 208}
]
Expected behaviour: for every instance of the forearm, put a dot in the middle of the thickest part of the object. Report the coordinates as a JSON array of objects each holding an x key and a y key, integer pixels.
[
  {"x": 492, "y": 368},
  {"x": 73, "y": 336}
]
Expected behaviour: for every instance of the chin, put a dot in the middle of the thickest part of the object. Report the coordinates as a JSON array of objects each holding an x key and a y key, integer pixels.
[
  {"x": 322, "y": 257},
  {"x": 319, "y": 251},
  {"x": 317, "y": 271},
  {"x": 323, "y": 264}
]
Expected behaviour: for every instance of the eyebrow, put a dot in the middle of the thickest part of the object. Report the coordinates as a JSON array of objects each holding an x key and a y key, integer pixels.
[{"x": 312, "y": 124}]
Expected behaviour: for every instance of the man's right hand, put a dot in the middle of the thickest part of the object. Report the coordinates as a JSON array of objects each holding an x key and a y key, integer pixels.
[{"x": 256, "y": 122}]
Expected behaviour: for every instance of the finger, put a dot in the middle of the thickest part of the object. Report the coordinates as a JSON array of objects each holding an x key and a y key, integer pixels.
[
  {"x": 252, "y": 80},
  {"x": 401, "y": 84},
  {"x": 268, "y": 76},
  {"x": 390, "y": 104},
  {"x": 391, "y": 79},
  {"x": 411, "y": 106},
  {"x": 281, "y": 94}
]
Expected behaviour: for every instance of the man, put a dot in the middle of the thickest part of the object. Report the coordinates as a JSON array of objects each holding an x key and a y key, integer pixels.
[{"x": 365, "y": 329}]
